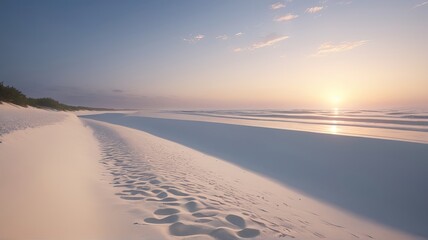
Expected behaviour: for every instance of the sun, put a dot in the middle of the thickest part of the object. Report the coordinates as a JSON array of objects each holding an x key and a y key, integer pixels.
[{"x": 335, "y": 100}]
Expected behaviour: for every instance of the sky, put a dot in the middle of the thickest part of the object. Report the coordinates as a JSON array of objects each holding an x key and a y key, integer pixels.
[{"x": 224, "y": 54}]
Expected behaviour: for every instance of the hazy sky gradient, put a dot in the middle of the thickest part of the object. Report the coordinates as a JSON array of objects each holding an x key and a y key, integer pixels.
[{"x": 218, "y": 54}]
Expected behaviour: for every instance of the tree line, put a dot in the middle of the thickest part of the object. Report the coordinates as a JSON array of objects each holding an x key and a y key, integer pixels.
[{"x": 12, "y": 95}]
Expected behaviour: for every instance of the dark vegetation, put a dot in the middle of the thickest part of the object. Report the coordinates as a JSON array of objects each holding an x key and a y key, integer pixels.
[{"x": 12, "y": 95}]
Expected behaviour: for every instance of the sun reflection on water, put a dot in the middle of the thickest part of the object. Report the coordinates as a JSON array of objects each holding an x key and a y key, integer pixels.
[
  {"x": 333, "y": 129},
  {"x": 335, "y": 111}
]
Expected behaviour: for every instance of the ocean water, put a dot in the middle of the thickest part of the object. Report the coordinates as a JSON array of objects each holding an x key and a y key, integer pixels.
[{"x": 387, "y": 124}]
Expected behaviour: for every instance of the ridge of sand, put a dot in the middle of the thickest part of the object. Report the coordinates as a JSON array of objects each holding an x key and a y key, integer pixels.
[{"x": 52, "y": 187}]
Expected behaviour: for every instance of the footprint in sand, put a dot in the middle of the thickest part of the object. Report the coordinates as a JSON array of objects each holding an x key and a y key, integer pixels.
[
  {"x": 177, "y": 193},
  {"x": 155, "y": 181},
  {"x": 203, "y": 220},
  {"x": 162, "y": 195},
  {"x": 181, "y": 229},
  {"x": 236, "y": 220},
  {"x": 193, "y": 206},
  {"x": 145, "y": 188},
  {"x": 166, "y": 211},
  {"x": 138, "y": 184},
  {"x": 156, "y": 191},
  {"x": 165, "y": 220},
  {"x": 249, "y": 233},
  {"x": 204, "y": 214},
  {"x": 223, "y": 234}
]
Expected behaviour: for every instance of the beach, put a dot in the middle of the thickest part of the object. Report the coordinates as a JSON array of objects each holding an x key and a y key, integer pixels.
[
  {"x": 214, "y": 120},
  {"x": 122, "y": 175}
]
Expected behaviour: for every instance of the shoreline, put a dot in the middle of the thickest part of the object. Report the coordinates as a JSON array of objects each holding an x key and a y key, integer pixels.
[{"x": 82, "y": 178}]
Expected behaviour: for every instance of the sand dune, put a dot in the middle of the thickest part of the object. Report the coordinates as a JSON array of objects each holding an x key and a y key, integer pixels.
[
  {"x": 51, "y": 184},
  {"x": 14, "y": 118}
]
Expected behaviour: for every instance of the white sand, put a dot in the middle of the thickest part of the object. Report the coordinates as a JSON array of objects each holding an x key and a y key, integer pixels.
[
  {"x": 67, "y": 178},
  {"x": 51, "y": 184},
  {"x": 209, "y": 196},
  {"x": 379, "y": 179}
]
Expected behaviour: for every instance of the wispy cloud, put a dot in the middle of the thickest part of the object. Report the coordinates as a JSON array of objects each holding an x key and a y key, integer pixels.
[
  {"x": 222, "y": 37},
  {"x": 286, "y": 17},
  {"x": 314, "y": 9},
  {"x": 327, "y": 48},
  {"x": 277, "y": 5},
  {"x": 238, "y": 49},
  {"x": 267, "y": 42},
  {"x": 239, "y": 34},
  {"x": 421, "y": 4},
  {"x": 194, "y": 39}
]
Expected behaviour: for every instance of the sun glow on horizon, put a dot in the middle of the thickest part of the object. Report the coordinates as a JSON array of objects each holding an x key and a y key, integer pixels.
[{"x": 335, "y": 100}]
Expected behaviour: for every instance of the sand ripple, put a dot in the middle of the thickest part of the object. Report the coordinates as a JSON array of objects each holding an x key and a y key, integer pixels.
[
  {"x": 140, "y": 181},
  {"x": 194, "y": 202}
]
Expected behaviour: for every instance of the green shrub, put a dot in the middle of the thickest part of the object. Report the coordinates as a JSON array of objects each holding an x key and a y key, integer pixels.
[{"x": 12, "y": 95}]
